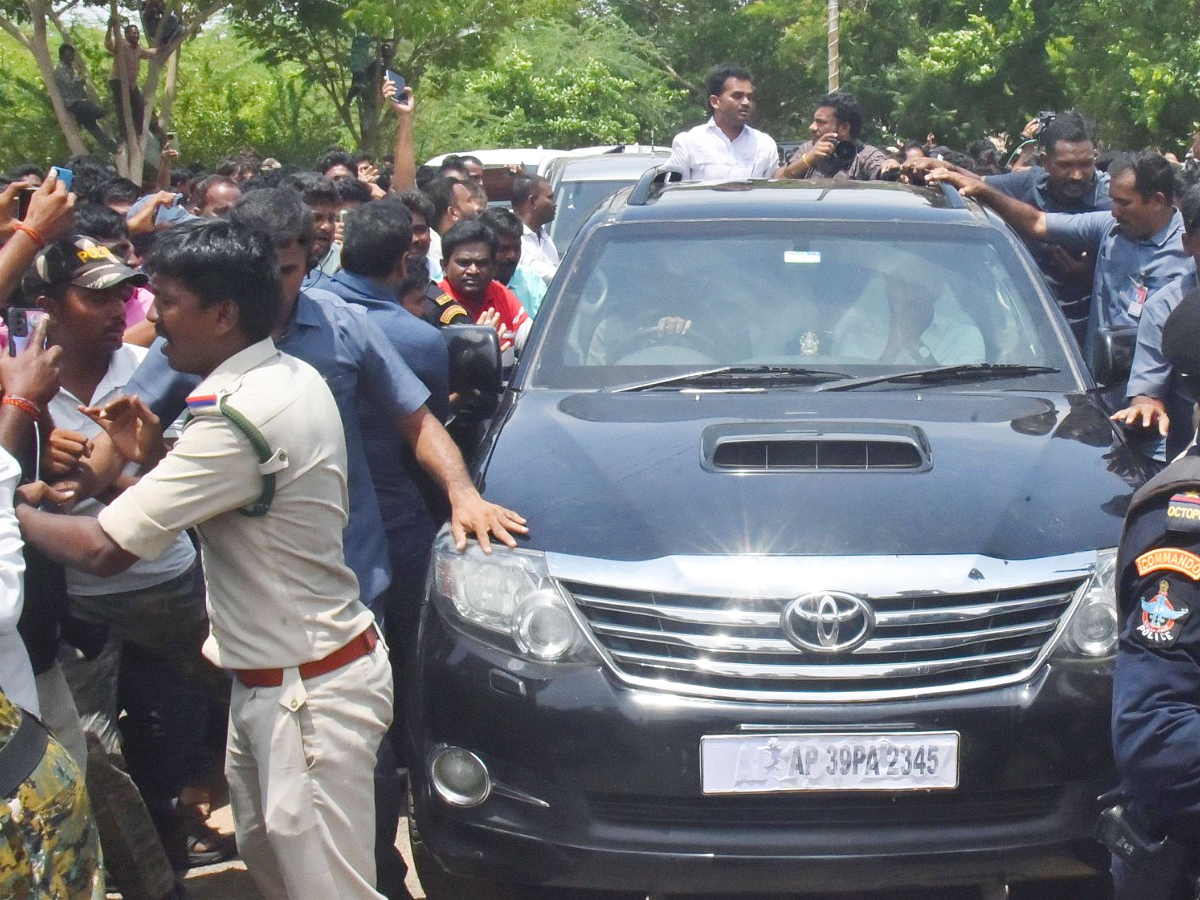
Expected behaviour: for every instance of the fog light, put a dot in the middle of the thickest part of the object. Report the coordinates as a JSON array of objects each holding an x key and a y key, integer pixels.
[
  {"x": 459, "y": 777},
  {"x": 544, "y": 628}
]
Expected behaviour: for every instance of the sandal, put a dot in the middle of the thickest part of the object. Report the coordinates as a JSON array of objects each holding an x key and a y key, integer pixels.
[{"x": 206, "y": 846}]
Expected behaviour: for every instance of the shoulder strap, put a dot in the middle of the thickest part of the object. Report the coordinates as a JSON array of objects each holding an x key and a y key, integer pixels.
[
  {"x": 268, "y": 462},
  {"x": 449, "y": 309},
  {"x": 262, "y": 450}
]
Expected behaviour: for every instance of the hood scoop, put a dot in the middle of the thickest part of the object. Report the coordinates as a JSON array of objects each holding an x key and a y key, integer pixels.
[{"x": 815, "y": 447}]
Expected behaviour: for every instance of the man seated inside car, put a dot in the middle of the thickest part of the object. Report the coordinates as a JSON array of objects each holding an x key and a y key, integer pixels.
[
  {"x": 654, "y": 329},
  {"x": 906, "y": 318}
]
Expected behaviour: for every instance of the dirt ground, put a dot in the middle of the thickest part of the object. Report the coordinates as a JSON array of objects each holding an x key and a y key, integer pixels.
[{"x": 231, "y": 881}]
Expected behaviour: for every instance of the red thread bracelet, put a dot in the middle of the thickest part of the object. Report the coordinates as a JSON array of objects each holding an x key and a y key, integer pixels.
[
  {"x": 33, "y": 234},
  {"x": 26, "y": 406}
]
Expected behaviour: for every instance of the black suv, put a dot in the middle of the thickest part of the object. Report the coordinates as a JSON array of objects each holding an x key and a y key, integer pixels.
[{"x": 818, "y": 592}]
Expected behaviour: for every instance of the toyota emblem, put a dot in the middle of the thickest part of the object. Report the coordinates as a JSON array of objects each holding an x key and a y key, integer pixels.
[{"x": 828, "y": 622}]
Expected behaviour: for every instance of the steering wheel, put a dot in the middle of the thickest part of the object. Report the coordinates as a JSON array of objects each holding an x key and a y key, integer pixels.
[{"x": 651, "y": 336}]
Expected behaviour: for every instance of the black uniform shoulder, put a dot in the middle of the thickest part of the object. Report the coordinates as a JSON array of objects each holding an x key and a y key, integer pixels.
[{"x": 440, "y": 307}]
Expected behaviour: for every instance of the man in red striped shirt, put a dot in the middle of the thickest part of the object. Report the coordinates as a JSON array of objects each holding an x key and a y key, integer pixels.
[{"x": 469, "y": 263}]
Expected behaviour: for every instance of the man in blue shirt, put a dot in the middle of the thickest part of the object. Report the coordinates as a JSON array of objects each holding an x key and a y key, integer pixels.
[
  {"x": 1159, "y": 399},
  {"x": 1138, "y": 246},
  {"x": 1068, "y": 183},
  {"x": 1155, "y": 714},
  {"x": 374, "y": 244}
]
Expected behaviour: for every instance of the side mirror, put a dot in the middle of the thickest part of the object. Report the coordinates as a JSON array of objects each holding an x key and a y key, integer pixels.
[
  {"x": 1113, "y": 355},
  {"x": 474, "y": 359},
  {"x": 476, "y": 382}
]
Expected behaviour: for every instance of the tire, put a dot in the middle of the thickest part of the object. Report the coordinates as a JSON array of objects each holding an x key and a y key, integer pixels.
[{"x": 440, "y": 884}]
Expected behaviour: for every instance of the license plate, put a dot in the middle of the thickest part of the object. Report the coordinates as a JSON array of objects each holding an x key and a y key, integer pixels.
[{"x": 770, "y": 763}]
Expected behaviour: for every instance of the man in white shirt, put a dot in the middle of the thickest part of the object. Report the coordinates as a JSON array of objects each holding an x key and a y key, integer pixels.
[
  {"x": 726, "y": 146},
  {"x": 534, "y": 204}
]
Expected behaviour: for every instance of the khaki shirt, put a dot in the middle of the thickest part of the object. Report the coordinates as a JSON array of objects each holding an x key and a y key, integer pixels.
[{"x": 279, "y": 591}]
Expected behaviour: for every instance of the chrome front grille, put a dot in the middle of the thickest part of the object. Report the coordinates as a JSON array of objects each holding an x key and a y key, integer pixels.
[{"x": 712, "y": 645}]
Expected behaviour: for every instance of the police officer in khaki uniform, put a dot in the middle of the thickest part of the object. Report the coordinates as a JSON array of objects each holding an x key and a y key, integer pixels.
[{"x": 259, "y": 471}]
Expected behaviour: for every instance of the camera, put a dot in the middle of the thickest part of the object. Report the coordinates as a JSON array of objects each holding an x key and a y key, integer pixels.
[
  {"x": 845, "y": 151},
  {"x": 1044, "y": 118}
]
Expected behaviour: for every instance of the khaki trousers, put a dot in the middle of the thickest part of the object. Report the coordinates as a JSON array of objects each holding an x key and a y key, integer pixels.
[{"x": 300, "y": 762}]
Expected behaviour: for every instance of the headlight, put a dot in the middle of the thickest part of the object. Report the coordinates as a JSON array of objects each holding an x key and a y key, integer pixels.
[
  {"x": 509, "y": 594},
  {"x": 1094, "y": 626}
]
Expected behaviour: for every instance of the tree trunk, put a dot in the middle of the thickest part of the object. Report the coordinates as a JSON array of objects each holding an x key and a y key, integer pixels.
[
  {"x": 129, "y": 155},
  {"x": 40, "y": 48},
  {"x": 169, "y": 89}
]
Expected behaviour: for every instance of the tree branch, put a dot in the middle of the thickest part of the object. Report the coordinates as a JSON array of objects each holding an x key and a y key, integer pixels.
[{"x": 15, "y": 31}]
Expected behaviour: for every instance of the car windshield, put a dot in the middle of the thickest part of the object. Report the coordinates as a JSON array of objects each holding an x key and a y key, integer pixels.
[
  {"x": 576, "y": 200},
  {"x": 641, "y": 302}
]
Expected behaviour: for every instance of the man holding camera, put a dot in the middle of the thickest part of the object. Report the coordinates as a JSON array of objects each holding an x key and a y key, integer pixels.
[{"x": 835, "y": 150}]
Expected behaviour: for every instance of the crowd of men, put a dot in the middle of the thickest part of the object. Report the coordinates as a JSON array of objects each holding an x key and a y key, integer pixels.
[
  {"x": 248, "y": 363},
  {"x": 1109, "y": 232},
  {"x": 292, "y": 385}
]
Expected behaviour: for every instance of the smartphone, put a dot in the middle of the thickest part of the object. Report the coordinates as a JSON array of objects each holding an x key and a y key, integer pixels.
[
  {"x": 22, "y": 323},
  {"x": 66, "y": 176},
  {"x": 23, "y": 198},
  {"x": 397, "y": 80},
  {"x": 342, "y": 213}
]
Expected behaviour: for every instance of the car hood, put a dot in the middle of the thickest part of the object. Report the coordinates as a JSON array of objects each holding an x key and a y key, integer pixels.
[{"x": 627, "y": 476}]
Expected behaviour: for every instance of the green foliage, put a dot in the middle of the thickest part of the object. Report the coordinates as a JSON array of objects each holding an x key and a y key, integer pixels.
[
  {"x": 31, "y": 133},
  {"x": 228, "y": 101},
  {"x": 1134, "y": 66},
  {"x": 280, "y": 75},
  {"x": 960, "y": 68},
  {"x": 566, "y": 108},
  {"x": 554, "y": 84},
  {"x": 342, "y": 48},
  {"x": 781, "y": 41}
]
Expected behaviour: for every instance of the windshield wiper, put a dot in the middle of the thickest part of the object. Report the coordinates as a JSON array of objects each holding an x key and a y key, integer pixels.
[
  {"x": 943, "y": 374},
  {"x": 735, "y": 375}
]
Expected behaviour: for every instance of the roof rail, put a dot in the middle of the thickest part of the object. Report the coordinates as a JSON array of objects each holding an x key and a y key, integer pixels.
[
  {"x": 652, "y": 181},
  {"x": 953, "y": 198}
]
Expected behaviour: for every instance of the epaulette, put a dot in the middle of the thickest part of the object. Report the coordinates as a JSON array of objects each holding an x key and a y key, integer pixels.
[
  {"x": 1180, "y": 476},
  {"x": 450, "y": 310}
]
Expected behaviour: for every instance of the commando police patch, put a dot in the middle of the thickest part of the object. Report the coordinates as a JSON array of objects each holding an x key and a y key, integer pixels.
[
  {"x": 1182, "y": 561},
  {"x": 1162, "y": 617}
]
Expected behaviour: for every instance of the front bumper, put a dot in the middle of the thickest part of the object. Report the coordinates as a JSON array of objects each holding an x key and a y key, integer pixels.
[{"x": 598, "y": 785}]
